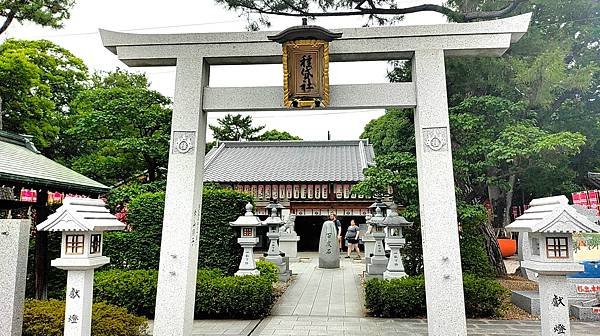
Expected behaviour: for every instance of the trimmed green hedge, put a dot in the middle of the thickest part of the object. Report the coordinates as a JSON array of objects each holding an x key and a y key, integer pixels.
[
  {"x": 248, "y": 297},
  {"x": 46, "y": 318},
  {"x": 218, "y": 247},
  {"x": 134, "y": 289},
  {"x": 406, "y": 297},
  {"x": 268, "y": 270},
  {"x": 217, "y": 296},
  {"x": 139, "y": 249},
  {"x": 218, "y": 241}
]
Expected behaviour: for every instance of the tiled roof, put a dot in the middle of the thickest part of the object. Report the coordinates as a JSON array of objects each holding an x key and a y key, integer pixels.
[
  {"x": 21, "y": 162},
  {"x": 552, "y": 214},
  {"x": 288, "y": 161}
]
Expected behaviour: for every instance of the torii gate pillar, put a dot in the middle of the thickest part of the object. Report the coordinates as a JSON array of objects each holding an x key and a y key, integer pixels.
[{"x": 427, "y": 46}]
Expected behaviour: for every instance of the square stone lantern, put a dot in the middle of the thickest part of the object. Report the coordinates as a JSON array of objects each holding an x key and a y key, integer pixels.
[
  {"x": 82, "y": 223},
  {"x": 274, "y": 222},
  {"x": 378, "y": 262},
  {"x": 548, "y": 251},
  {"x": 248, "y": 239},
  {"x": 395, "y": 240}
]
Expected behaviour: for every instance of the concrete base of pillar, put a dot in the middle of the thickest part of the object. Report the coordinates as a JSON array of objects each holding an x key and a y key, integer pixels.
[
  {"x": 377, "y": 266},
  {"x": 394, "y": 275},
  {"x": 247, "y": 272},
  {"x": 288, "y": 243}
]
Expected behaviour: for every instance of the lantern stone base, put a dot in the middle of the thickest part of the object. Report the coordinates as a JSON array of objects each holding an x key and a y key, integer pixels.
[
  {"x": 377, "y": 266},
  {"x": 369, "y": 243},
  {"x": 283, "y": 265},
  {"x": 585, "y": 313},
  {"x": 288, "y": 243},
  {"x": 14, "y": 242}
]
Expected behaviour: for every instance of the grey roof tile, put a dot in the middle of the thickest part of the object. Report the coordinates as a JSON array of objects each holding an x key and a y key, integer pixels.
[
  {"x": 288, "y": 161},
  {"x": 19, "y": 161}
]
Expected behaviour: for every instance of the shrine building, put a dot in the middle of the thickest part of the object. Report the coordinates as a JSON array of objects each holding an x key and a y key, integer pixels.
[{"x": 310, "y": 178}]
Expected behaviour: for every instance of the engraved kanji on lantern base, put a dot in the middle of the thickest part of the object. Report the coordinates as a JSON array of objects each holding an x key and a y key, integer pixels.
[
  {"x": 305, "y": 65},
  {"x": 550, "y": 223},
  {"x": 394, "y": 223},
  {"x": 247, "y": 224},
  {"x": 82, "y": 222}
]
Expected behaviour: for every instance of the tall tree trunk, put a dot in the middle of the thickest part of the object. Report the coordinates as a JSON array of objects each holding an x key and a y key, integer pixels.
[
  {"x": 497, "y": 198},
  {"x": 493, "y": 249},
  {"x": 508, "y": 200}
]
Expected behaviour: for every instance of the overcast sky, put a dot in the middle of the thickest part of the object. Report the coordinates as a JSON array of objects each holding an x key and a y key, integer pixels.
[{"x": 80, "y": 36}]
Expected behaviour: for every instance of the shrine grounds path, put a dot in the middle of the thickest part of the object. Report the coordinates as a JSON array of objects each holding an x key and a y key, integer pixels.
[{"x": 330, "y": 302}]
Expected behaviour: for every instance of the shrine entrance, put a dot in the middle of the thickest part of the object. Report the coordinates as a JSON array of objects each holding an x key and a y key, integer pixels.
[{"x": 426, "y": 46}]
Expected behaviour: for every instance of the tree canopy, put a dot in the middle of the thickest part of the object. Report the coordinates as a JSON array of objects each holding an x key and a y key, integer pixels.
[
  {"x": 49, "y": 13},
  {"x": 40, "y": 81},
  {"x": 377, "y": 11},
  {"x": 119, "y": 128},
  {"x": 235, "y": 128}
]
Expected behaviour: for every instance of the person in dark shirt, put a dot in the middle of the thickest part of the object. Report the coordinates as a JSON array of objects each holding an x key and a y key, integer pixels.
[{"x": 352, "y": 238}]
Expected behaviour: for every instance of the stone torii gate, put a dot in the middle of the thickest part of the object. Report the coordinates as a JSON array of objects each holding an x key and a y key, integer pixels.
[{"x": 193, "y": 54}]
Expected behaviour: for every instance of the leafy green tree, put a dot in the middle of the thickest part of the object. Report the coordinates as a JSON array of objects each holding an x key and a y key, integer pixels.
[
  {"x": 119, "y": 128},
  {"x": 235, "y": 128},
  {"x": 48, "y": 13},
  {"x": 273, "y": 135},
  {"x": 39, "y": 81}
]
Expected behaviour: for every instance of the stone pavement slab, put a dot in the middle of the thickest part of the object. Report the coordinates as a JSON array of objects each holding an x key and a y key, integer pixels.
[
  {"x": 323, "y": 292},
  {"x": 350, "y": 326}
]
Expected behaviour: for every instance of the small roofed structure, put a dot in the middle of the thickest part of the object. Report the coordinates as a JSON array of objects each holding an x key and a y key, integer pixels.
[
  {"x": 550, "y": 223},
  {"x": 547, "y": 228},
  {"x": 81, "y": 222}
]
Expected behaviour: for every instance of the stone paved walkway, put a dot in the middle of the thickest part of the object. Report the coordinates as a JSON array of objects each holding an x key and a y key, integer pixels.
[
  {"x": 355, "y": 326},
  {"x": 323, "y": 292},
  {"x": 330, "y": 302}
]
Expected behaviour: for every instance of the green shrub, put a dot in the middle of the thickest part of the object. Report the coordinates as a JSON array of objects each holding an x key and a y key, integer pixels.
[
  {"x": 474, "y": 257},
  {"x": 396, "y": 298},
  {"x": 46, "y": 318},
  {"x": 139, "y": 249},
  {"x": 406, "y": 297},
  {"x": 217, "y": 296},
  {"x": 483, "y": 297},
  {"x": 233, "y": 297},
  {"x": 473, "y": 254},
  {"x": 268, "y": 270},
  {"x": 218, "y": 241},
  {"x": 133, "y": 289}
]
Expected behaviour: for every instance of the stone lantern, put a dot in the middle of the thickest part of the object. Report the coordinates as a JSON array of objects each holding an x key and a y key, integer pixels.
[
  {"x": 550, "y": 223},
  {"x": 274, "y": 222},
  {"x": 368, "y": 239},
  {"x": 248, "y": 239},
  {"x": 378, "y": 262},
  {"x": 305, "y": 65},
  {"x": 394, "y": 223},
  {"x": 82, "y": 222}
]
